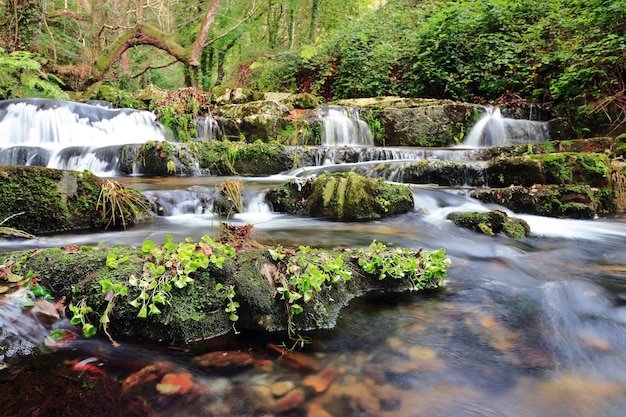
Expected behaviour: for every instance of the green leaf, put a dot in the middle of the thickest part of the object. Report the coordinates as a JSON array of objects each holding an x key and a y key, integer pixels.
[
  {"x": 89, "y": 330},
  {"x": 154, "y": 309},
  {"x": 106, "y": 285},
  {"x": 143, "y": 312},
  {"x": 147, "y": 247}
]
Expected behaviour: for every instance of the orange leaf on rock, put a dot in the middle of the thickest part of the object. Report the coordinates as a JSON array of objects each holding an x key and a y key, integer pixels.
[{"x": 175, "y": 384}]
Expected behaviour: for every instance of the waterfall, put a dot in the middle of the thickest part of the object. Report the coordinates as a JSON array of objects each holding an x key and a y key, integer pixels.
[
  {"x": 493, "y": 129},
  {"x": 69, "y": 135},
  {"x": 208, "y": 128},
  {"x": 343, "y": 127}
]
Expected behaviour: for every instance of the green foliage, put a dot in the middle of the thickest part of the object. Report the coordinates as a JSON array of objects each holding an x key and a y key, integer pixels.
[
  {"x": 21, "y": 76},
  {"x": 421, "y": 269},
  {"x": 228, "y": 292},
  {"x": 80, "y": 314},
  {"x": 305, "y": 272},
  {"x": 165, "y": 268},
  {"x": 170, "y": 266},
  {"x": 566, "y": 52}
]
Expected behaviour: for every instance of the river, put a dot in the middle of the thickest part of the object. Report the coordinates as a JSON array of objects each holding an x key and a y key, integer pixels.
[{"x": 534, "y": 327}]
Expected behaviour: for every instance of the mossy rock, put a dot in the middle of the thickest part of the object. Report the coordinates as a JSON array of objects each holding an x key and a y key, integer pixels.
[
  {"x": 342, "y": 196},
  {"x": 304, "y": 101},
  {"x": 352, "y": 197},
  {"x": 291, "y": 196},
  {"x": 197, "y": 311},
  {"x": 491, "y": 223},
  {"x": 556, "y": 168},
  {"x": 51, "y": 200},
  {"x": 566, "y": 201}
]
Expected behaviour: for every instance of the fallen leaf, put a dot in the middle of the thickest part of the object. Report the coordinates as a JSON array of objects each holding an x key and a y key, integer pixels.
[{"x": 175, "y": 384}]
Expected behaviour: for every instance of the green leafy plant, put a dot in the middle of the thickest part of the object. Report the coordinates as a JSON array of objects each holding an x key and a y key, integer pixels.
[
  {"x": 118, "y": 204},
  {"x": 79, "y": 317},
  {"x": 21, "y": 75},
  {"x": 228, "y": 292},
  {"x": 303, "y": 273},
  {"x": 170, "y": 266},
  {"x": 165, "y": 268},
  {"x": 421, "y": 269}
]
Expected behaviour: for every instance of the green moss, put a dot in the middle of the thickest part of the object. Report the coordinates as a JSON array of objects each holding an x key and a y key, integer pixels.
[
  {"x": 239, "y": 158},
  {"x": 51, "y": 200},
  {"x": 557, "y": 170},
  {"x": 573, "y": 201},
  {"x": 492, "y": 222},
  {"x": 349, "y": 196}
]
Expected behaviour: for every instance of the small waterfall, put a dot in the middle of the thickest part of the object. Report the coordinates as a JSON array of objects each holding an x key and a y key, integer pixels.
[
  {"x": 343, "y": 127},
  {"x": 493, "y": 129},
  {"x": 208, "y": 128},
  {"x": 69, "y": 135}
]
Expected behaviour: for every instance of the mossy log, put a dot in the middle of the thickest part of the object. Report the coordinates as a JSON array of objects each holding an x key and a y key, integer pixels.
[{"x": 200, "y": 310}]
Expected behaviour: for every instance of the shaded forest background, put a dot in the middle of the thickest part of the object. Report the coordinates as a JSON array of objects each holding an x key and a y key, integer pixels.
[{"x": 568, "y": 55}]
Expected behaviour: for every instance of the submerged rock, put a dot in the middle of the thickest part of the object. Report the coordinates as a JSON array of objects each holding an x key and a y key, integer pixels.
[{"x": 492, "y": 222}]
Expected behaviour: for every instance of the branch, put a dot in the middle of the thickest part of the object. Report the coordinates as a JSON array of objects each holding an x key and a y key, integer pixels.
[
  {"x": 199, "y": 44},
  {"x": 149, "y": 67},
  {"x": 67, "y": 13},
  {"x": 10, "y": 217}
]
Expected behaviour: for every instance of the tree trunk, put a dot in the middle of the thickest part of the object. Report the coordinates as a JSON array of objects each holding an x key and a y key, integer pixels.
[{"x": 315, "y": 8}]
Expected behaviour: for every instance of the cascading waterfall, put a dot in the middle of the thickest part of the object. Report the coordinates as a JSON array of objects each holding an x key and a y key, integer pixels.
[
  {"x": 493, "y": 129},
  {"x": 69, "y": 135},
  {"x": 208, "y": 128},
  {"x": 343, "y": 127}
]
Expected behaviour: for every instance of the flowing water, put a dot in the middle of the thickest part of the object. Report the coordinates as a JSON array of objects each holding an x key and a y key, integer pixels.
[
  {"x": 534, "y": 327},
  {"x": 493, "y": 129}
]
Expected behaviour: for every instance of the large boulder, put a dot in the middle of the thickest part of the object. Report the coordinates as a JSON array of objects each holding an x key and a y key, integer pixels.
[
  {"x": 342, "y": 196},
  {"x": 41, "y": 200},
  {"x": 417, "y": 122},
  {"x": 178, "y": 292}
]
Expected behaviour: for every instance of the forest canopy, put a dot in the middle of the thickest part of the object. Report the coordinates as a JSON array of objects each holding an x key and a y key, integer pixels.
[{"x": 570, "y": 54}]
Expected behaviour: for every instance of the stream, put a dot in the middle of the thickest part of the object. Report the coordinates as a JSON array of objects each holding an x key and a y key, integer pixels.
[{"x": 534, "y": 327}]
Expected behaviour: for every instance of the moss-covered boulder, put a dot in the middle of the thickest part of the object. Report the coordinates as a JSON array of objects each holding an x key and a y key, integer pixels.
[
  {"x": 342, "y": 196},
  {"x": 256, "y": 120},
  {"x": 178, "y": 292},
  {"x": 568, "y": 201},
  {"x": 43, "y": 200},
  {"x": 591, "y": 169},
  {"x": 491, "y": 223}
]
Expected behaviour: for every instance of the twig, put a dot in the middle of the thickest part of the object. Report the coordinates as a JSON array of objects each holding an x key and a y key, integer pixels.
[{"x": 10, "y": 217}]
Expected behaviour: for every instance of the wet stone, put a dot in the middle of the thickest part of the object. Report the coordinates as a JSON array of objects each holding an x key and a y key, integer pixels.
[{"x": 281, "y": 388}]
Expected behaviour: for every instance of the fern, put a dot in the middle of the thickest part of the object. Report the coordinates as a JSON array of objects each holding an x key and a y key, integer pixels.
[{"x": 21, "y": 76}]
